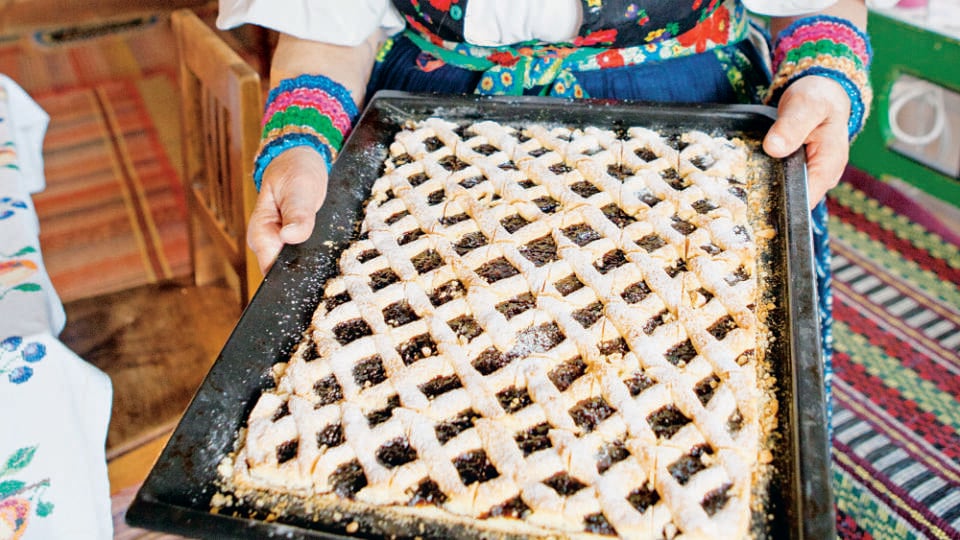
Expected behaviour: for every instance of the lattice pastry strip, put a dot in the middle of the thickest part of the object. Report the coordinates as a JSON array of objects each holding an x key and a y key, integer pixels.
[{"x": 538, "y": 323}]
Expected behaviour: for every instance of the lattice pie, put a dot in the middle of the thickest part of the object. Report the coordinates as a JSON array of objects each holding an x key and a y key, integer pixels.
[{"x": 541, "y": 330}]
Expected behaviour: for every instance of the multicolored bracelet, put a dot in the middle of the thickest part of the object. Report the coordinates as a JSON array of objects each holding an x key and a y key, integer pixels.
[
  {"x": 830, "y": 47},
  {"x": 309, "y": 110}
]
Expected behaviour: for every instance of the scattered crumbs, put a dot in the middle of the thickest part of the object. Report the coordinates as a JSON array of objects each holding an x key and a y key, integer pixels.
[
  {"x": 353, "y": 527},
  {"x": 221, "y": 500},
  {"x": 765, "y": 234}
]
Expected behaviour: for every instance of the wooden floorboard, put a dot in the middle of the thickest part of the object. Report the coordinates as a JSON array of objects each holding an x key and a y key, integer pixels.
[{"x": 156, "y": 342}]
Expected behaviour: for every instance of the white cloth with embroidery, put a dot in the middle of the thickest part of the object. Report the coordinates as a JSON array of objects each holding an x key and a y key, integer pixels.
[
  {"x": 28, "y": 302},
  {"x": 53, "y": 471},
  {"x": 55, "y": 406}
]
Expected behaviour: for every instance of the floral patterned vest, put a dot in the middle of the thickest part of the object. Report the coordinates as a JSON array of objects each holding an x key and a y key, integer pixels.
[{"x": 606, "y": 23}]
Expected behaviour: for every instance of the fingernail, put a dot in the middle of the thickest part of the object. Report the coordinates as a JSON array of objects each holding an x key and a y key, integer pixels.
[{"x": 776, "y": 143}]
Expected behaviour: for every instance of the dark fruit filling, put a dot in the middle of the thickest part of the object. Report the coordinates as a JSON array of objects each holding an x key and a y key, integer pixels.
[
  {"x": 581, "y": 234},
  {"x": 456, "y": 425},
  {"x": 609, "y": 454},
  {"x": 564, "y": 484},
  {"x": 563, "y": 375},
  {"x": 540, "y": 251},
  {"x": 516, "y": 305},
  {"x": 534, "y": 439},
  {"x": 475, "y": 467},
  {"x": 396, "y": 452},
  {"x": 348, "y": 479},
  {"x": 440, "y": 385},
  {"x": 448, "y": 291},
  {"x": 590, "y": 412},
  {"x": 328, "y": 390},
  {"x": 513, "y": 399},
  {"x": 667, "y": 421}
]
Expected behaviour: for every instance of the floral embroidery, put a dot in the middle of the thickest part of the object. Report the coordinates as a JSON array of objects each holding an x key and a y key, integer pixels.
[
  {"x": 18, "y": 358},
  {"x": 611, "y": 23},
  {"x": 713, "y": 29},
  {"x": 8, "y": 157},
  {"x": 436, "y": 19},
  {"x": 14, "y": 274},
  {"x": 656, "y": 34},
  {"x": 426, "y": 62},
  {"x": 18, "y": 498},
  {"x": 551, "y": 68},
  {"x": 600, "y": 37},
  {"x": 633, "y": 22},
  {"x": 10, "y": 206},
  {"x": 15, "y": 270},
  {"x": 610, "y": 59},
  {"x": 504, "y": 58}
]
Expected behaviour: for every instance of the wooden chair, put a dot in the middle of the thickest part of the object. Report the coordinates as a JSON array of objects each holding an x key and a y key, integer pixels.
[{"x": 221, "y": 110}]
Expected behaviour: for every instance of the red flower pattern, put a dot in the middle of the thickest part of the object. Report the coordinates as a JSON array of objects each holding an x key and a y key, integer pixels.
[
  {"x": 600, "y": 36},
  {"x": 713, "y": 29},
  {"x": 504, "y": 58},
  {"x": 610, "y": 59}
]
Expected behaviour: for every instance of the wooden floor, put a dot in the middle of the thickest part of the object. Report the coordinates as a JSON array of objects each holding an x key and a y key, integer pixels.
[{"x": 156, "y": 342}]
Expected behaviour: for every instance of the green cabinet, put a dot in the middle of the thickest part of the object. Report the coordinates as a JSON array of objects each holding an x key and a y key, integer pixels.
[{"x": 901, "y": 48}]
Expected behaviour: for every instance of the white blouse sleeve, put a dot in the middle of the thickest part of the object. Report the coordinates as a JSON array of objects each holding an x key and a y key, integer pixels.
[
  {"x": 787, "y": 8},
  {"x": 329, "y": 21}
]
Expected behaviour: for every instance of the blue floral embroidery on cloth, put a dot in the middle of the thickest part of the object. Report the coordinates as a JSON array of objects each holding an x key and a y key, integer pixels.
[
  {"x": 17, "y": 358},
  {"x": 9, "y": 206},
  {"x": 18, "y": 499}
]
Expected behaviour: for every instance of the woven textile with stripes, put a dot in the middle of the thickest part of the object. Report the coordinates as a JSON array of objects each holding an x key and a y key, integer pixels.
[
  {"x": 896, "y": 448},
  {"x": 539, "y": 329}
]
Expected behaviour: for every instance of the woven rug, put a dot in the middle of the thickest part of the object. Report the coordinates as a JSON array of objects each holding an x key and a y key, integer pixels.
[
  {"x": 113, "y": 213},
  {"x": 896, "y": 451}
]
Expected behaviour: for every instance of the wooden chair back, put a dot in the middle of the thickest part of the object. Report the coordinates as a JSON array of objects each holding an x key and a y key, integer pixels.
[{"x": 221, "y": 110}]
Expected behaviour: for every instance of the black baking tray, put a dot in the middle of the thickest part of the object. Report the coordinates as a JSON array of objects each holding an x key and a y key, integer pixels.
[{"x": 176, "y": 496}]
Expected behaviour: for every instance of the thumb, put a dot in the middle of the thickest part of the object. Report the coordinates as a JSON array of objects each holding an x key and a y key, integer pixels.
[
  {"x": 300, "y": 196},
  {"x": 803, "y": 106},
  {"x": 297, "y": 220}
]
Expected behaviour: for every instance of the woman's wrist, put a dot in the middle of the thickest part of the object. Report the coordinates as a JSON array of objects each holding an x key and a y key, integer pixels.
[
  {"x": 829, "y": 47},
  {"x": 309, "y": 110}
]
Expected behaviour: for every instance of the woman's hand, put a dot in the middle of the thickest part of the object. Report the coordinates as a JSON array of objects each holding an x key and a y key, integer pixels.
[
  {"x": 294, "y": 184},
  {"x": 813, "y": 111},
  {"x": 293, "y": 188}
]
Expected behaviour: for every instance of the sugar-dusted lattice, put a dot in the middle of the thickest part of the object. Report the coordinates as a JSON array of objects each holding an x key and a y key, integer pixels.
[{"x": 538, "y": 323}]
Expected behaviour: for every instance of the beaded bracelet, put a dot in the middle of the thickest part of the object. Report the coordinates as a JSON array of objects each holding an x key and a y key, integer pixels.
[
  {"x": 309, "y": 110},
  {"x": 830, "y": 47}
]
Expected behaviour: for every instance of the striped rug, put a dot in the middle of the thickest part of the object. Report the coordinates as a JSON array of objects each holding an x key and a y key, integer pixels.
[
  {"x": 896, "y": 451},
  {"x": 113, "y": 213}
]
